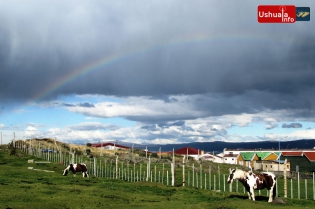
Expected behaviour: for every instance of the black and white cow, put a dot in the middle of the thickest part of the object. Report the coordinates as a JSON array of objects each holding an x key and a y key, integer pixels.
[
  {"x": 81, "y": 167},
  {"x": 252, "y": 181}
]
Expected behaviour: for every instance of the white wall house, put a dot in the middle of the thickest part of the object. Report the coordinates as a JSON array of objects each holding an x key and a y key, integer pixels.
[
  {"x": 230, "y": 158},
  {"x": 210, "y": 157}
]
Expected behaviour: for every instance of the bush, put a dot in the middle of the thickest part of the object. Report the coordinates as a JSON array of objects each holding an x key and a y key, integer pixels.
[
  {"x": 154, "y": 154},
  {"x": 12, "y": 149}
]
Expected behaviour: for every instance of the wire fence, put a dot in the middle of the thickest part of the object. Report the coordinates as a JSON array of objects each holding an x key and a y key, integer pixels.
[{"x": 189, "y": 174}]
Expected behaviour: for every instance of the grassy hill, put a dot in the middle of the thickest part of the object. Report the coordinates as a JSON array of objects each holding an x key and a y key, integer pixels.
[{"x": 43, "y": 186}]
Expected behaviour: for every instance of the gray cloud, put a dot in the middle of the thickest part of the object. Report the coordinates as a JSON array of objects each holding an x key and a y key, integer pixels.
[
  {"x": 271, "y": 126},
  {"x": 292, "y": 125},
  {"x": 162, "y": 48},
  {"x": 90, "y": 126}
]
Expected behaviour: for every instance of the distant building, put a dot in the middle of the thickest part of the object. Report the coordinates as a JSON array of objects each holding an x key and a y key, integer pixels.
[
  {"x": 272, "y": 160},
  {"x": 303, "y": 161},
  {"x": 230, "y": 158},
  {"x": 110, "y": 146},
  {"x": 210, "y": 157},
  {"x": 189, "y": 152}
]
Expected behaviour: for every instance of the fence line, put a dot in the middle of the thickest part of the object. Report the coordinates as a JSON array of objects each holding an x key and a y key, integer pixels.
[{"x": 124, "y": 172}]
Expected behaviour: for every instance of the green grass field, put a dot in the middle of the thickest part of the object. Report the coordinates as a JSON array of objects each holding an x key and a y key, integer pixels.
[{"x": 21, "y": 187}]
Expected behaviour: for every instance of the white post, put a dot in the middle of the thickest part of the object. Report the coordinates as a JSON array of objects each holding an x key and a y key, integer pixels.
[
  {"x": 306, "y": 189},
  {"x": 299, "y": 185},
  {"x": 163, "y": 174},
  {"x": 200, "y": 176},
  {"x": 134, "y": 171},
  {"x": 117, "y": 167},
  {"x": 172, "y": 171},
  {"x": 209, "y": 177},
  {"x": 223, "y": 182},
  {"x": 155, "y": 173},
  {"x": 197, "y": 182},
  {"x": 219, "y": 177},
  {"x": 183, "y": 171},
  {"x": 193, "y": 171},
  {"x": 140, "y": 170},
  {"x": 94, "y": 166},
  {"x": 291, "y": 189},
  {"x": 285, "y": 179}
]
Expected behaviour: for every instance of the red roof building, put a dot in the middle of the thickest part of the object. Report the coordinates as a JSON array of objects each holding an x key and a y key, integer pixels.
[
  {"x": 310, "y": 156},
  {"x": 292, "y": 154},
  {"x": 187, "y": 150}
]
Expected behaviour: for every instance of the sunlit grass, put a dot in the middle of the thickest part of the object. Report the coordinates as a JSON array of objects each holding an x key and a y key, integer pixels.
[{"x": 26, "y": 188}]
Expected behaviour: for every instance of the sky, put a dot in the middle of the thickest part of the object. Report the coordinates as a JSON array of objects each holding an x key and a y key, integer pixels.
[{"x": 154, "y": 72}]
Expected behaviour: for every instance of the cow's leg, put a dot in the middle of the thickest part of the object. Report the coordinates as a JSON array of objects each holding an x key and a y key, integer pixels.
[
  {"x": 249, "y": 196},
  {"x": 252, "y": 193},
  {"x": 271, "y": 194}
]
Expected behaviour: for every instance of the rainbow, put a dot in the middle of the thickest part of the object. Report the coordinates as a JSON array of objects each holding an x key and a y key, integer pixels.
[{"x": 104, "y": 62}]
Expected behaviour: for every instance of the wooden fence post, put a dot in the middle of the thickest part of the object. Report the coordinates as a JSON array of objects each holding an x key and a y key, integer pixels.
[
  {"x": 116, "y": 167},
  {"x": 219, "y": 177},
  {"x": 200, "y": 176},
  {"x": 183, "y": 171},
  {"x": 94, "y": 166},
  {"x": 291, "y": 189},
  {"x": 285, "y": 179},
  {"x": 193, "y": 173},
  {"x": 306, "y": 189},
  {"x": 223, "y": 182},
  {"x": 172, "y": 172},
  {"x": 209, "y": 177},
  {"x": 173, "y": 169},
  {"x": 299, "y": 185}
]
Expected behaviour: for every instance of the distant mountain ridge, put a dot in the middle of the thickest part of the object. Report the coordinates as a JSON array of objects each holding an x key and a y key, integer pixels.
[{"x": 218, "y": 146}]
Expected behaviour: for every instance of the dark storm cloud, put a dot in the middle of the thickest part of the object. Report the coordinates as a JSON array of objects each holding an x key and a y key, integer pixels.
[
  {"x": 163, "y": 125},
  {"x": 239, "y": 65},
  {"x": 92, "y": 126},
  {"x": 292, "y": 125},
  {"x": 84, "y": 104}
]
